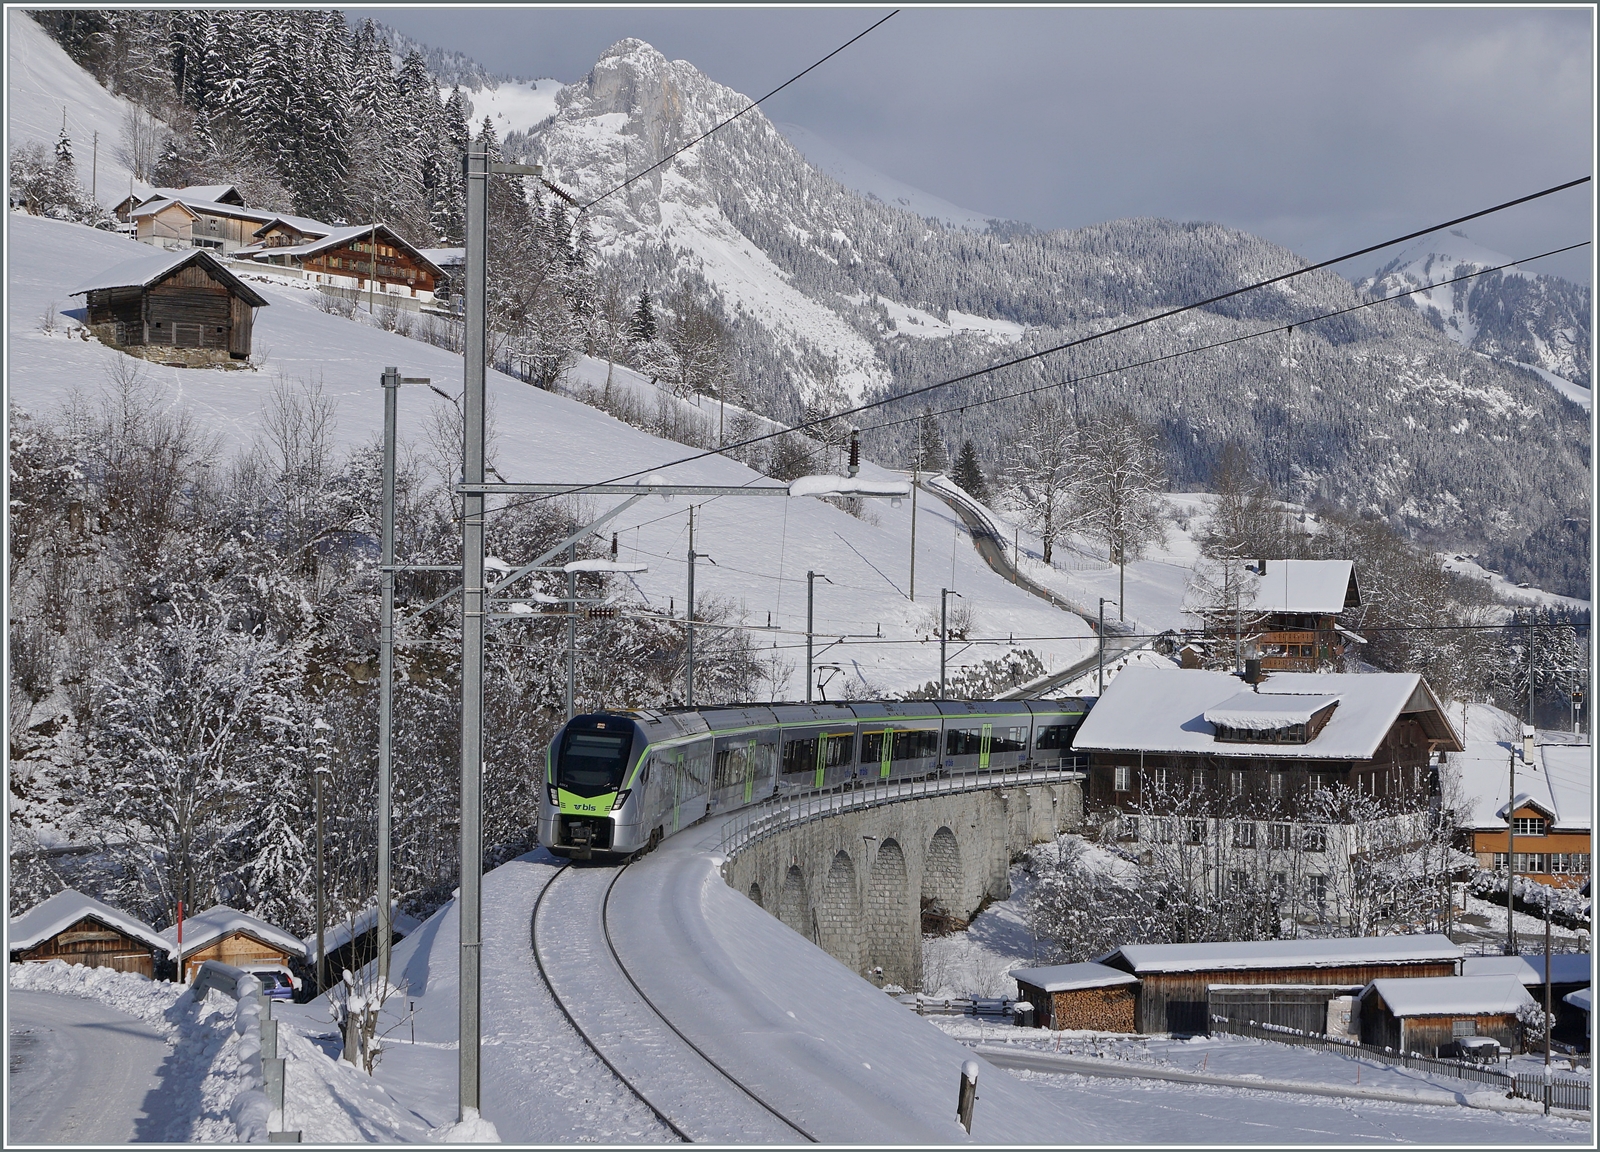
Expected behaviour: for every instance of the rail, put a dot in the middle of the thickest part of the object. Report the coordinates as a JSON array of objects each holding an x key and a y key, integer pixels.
[
  {"x": 1564, "y": 1092},
  {"x": 756, "y": 823}
]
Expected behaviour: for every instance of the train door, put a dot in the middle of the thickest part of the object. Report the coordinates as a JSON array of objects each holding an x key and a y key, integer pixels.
[
  {"x": 742, "y": 769},
  {"x": 877, "y": 750}
]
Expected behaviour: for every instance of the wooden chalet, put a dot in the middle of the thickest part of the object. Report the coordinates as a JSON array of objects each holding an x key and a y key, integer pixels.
[
  {"x": 355, "y": 259},
  {"x": 183, "y": 301},
  {"x": 78, "y": 929},
  {"x": 1177, "y": 981},
  {"x": 1548, "y": 836},
  {"x": 233, "y": 937},
  {"x": 210, "y": 216},
  {"x": 1432, "y": 1016},
  {"x": 1287, "y": 614},
  {"x": 1079, "y": 996}
]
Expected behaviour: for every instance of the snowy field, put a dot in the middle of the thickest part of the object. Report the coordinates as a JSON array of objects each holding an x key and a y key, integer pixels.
[{"x": 762, "y": 547}]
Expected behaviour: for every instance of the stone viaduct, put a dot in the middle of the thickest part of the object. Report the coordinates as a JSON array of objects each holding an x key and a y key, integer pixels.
[{"x": 859, "y": 883}]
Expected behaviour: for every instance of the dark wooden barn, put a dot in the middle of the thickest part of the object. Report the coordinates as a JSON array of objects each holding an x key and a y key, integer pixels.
[
  {"x": 183, "y": 301},
  {"x": 1432, "y": 1016},
  {"x": 1176, "y": 980},
  {"x": 78, "y": 929}
]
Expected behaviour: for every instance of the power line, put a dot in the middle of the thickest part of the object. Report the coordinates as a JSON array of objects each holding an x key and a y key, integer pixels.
[
  {"x": 735, "y": 116},
  {"x": 963, "y": 406},
  {"x": 1079, "y": 341}
]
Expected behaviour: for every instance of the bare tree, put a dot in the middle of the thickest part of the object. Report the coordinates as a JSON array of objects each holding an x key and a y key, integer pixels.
[
  {"x": 142, "y": 138},
  {"x": 1045, "y": 482},
  {"x": 1122, "y": 473}
]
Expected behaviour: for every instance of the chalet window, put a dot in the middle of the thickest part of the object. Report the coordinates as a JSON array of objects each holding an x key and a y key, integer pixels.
[
  {"x": 1569, "y": 863},
  {"x": 1532, "y": 862},
  {"x": 1317, "y": 889},
  {"x": 1244, "y": 834},
  {"x": 1197, "y": 831},
  {"x": 1236, "y": 783},
  {"x": 1280, "y": 837},
  {"x": 1528, "y": 826},
  {"x": 1462, "y": 1029},
  {"x": 1121, "y": 778},
  {"x": 1238, "y": 882},
  {"x": 1289, "y": 734},
  {"x": 1158, "y": 778},
  {"x": 1314, "y": 838},
  {"x": 1280, "y": 882},
  {"x": 1275, "y": 785},
  {"x": 1197, "y": 781},
  {"x": 1316, "y": 782},
  {"x": 1164, "y": 829},
  {"x": 1499, "y": 861}
]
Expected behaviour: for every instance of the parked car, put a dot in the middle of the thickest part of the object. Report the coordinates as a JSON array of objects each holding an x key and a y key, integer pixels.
[{"x": 276, "y": 983}]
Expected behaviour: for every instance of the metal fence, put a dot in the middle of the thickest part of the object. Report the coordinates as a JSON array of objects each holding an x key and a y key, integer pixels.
[
  {"x": 790, "y": 810},
  {"x": 1564, "y": 1092}
]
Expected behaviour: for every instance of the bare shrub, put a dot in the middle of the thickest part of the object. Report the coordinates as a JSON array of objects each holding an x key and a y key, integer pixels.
[{"x": 48, "y": 321}]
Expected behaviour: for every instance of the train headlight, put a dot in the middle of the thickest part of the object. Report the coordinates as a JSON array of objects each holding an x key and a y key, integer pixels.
[
  {"x": 555, "y": 798},
  {"x": 622, "y": 798}
]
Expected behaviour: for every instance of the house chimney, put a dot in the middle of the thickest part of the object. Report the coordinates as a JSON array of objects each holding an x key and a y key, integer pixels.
[{"x": 1527, "y": 743}]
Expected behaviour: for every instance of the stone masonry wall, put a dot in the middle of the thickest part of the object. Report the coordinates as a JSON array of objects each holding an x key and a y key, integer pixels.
[{"x": 858, "y": 883}]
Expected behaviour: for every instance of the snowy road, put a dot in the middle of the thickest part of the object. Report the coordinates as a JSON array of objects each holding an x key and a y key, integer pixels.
[
  {"x": 79, "y": 1072},
  {"x": 695, "y": 1097}
]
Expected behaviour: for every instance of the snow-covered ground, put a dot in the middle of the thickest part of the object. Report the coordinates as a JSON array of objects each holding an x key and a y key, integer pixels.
[
  {"x": 512, "y": 105},
  {"x": 763, "y": 547},
  {"x": 42, "y": 84},
  {"x": 207, "y": 1060},
  {"x": 1505, "y": 591}
]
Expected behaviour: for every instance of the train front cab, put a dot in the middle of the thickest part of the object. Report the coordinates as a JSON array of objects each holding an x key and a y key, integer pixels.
[{"x": 586, "y": 767}]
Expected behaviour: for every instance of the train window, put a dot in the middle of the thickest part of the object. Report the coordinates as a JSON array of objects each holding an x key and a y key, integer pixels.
[
  {"x": 963, "y": 742},
  {"x": 1009, "y": 740},
  {"x": 698, "y": 764},
  {"x": 916, "y": 745},
  {"x": 872, "y": 747},
  {"x": 799, "y": 756},
  {"x": 592, "y": 762},
  {"x": 1056, "y": 736},
  {"x": 837, "y": 747},
  {"x": 733, "y": 763}
]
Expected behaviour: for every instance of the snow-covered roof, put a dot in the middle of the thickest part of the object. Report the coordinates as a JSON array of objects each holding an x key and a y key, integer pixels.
[
  {"x": 445, "y": 257},
  {"x": 1313, "y": 586},
  {"x": 336, "y": 936},
  {"x": 1559, "y": 781},
  {"x": 209, "y": 192},
  {"x": 142, "y": 271},
  {"x": 1265, "y": 711},
  {"x": 1451, "y": 995},
  {"x": 1565, "y": 967},
  {"x": 1578, "y": 999},
  {"x": 1149, "y": 709},
  {"x": 201, "y": 205},
  {"x": 65, "y": 909},
  {"x": 154, "y": 207},
  {"x": 1143, "y": 959},
  {"x": 205, "y": 928},
  {"x": 336, "y": 237},
  {"x": 1066, "y": 977},
  {"x": 299, "y": 223}
]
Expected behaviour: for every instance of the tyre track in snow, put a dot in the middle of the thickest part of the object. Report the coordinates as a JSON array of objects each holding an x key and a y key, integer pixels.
[{"x": 694, "y": 1096}]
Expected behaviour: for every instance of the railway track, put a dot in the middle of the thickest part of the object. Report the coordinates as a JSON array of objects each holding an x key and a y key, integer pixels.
[{"x": 694, "y": 1096}]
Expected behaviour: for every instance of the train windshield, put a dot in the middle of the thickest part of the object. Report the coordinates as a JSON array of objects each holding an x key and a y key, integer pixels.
[{"x": 592, "y": 763}]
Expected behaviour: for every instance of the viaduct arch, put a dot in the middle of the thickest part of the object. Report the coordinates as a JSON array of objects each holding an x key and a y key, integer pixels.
[{"x": 866, "y": 884}]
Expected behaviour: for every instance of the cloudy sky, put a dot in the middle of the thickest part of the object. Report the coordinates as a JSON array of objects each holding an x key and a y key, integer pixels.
[{"x": 1321, "y": 129}]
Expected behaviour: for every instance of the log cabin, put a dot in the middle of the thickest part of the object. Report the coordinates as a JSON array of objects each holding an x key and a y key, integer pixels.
[
  {"x": 78, "y": 929},
  {"x": 182, "y": 303},
  {"x": 233, "y": 937}
]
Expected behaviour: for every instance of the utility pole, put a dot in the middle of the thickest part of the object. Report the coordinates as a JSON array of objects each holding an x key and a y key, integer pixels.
[
  {"x": 913, "y": 595},
  {"x": 1547, "y": 1016},
  {"x": 94, "y": 172},
  {"x": 944, "y": 631},
  {"x": 688, "y": 675},
  {"x": 572, "y": 632},
  {"x": 322, "y": 908},
  {"x": 476, "y": 346},
  {"x": 391, "y": 390},
  {"x": 372, "y": 264},
  {"x": 811, "y": 603},
  {"x": 1511, "y": 856},
  {"x": 1101, "y": 678}
]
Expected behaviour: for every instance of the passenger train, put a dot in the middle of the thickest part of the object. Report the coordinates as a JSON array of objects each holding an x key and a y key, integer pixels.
[{"x": 617, "y": 783}]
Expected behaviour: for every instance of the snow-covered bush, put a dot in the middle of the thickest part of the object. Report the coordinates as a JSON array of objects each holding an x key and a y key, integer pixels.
[{"x": 46, "y": 186}]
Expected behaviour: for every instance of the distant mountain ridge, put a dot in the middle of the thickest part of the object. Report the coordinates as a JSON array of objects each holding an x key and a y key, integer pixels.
[
  {"x": 1517, "y": 314},
  {"x": 834, "y": 296}
]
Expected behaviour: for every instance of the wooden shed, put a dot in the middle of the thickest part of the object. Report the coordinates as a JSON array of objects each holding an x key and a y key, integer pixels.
[
  {"x": 183, "y": 304},
  {"x": 1175, "y": 980},
  {"x": 233, "y": 937},
  {"x": 1434, "y": 1013},
  {"x": 1090, "y": 996},
  {"x": 79, "y": 929}
]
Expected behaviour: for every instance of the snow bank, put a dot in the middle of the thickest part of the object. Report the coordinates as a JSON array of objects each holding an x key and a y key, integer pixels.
[{"x": 470, "y": 1129}]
